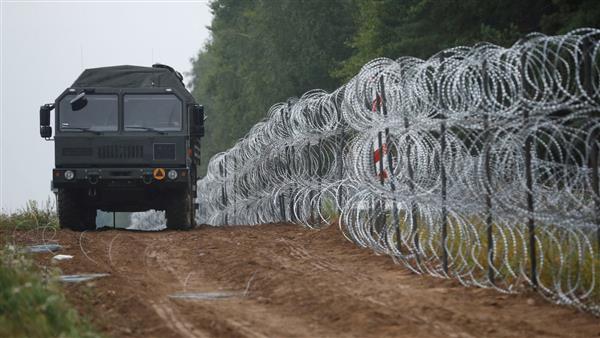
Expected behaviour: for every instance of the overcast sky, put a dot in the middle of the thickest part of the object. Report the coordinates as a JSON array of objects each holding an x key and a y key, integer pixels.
[{"x": 45, "y": 45}]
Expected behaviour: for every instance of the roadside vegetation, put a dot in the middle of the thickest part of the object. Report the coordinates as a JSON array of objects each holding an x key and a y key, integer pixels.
[
  {"x": 564, "y": 261},
  {"x": 33, "y": 215},
  {"x": 32, "y": 303}
]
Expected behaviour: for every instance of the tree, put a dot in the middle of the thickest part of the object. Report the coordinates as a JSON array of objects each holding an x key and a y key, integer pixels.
[
  {"x": 262, "y": 52},
  {"x": 421, "y": 28}
]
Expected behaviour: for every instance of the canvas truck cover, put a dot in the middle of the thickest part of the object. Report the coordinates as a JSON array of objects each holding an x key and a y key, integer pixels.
[{"x": 132, "y": 77}]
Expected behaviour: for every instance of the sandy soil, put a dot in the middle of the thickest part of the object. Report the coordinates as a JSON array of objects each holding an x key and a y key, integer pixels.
[{"x": 286, "y": 282}]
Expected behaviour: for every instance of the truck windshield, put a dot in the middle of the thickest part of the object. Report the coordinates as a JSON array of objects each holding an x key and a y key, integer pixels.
[
  {"x": 152, "y": 112},
  {"x": 100, "y": 114}
]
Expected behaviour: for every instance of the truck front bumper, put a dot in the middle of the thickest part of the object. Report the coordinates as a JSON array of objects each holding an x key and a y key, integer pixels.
[{"x": 119, "y": 177}]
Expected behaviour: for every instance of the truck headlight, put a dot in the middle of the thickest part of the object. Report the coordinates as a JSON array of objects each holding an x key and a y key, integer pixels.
[
  {"x": 172, "y": 174},
  {"x": 69, "y": 175}
]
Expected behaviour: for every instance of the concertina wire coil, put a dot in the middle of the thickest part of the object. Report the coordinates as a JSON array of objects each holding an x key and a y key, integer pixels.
[{"x": 479, "y": 164}]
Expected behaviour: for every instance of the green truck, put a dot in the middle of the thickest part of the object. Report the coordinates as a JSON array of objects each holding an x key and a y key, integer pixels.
[{"x": 127, "y": 138}]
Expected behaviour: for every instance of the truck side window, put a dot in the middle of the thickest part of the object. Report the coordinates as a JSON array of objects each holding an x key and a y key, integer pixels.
[
  {"x": 161, "y": 112},
  {"x": 100, "y": 114}
]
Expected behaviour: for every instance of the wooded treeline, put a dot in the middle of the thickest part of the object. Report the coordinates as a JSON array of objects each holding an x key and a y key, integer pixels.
[{"x": 265, "y": 51}]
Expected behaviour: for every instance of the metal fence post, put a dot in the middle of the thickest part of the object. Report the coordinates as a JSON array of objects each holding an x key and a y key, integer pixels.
[
  {"x": 380, "y": 220},
  {"x": 379, "y": 207},
  {"x": 411, "y": 186},
  {"x": 488, "y": 193},
  {"x": 341, "y": 145},
  {"x": 223, "y": 172},
  {"x": 390, "y": 166},
  {"x": 290, "y": 156},
  {"x": 281, "y": 196},
  {"x": 234, "y": 188},
  {"x": 311, "y": 193},
  {"x": 319, "y": 174},
  {"x": 443, "y": 191},
  {"x": 528, "y": 147},
  {"x": 588, "y": 64},
  {"x": 444, "y": 180}
]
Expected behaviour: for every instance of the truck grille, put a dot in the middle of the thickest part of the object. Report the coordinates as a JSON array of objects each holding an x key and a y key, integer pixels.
[
  {"x": 120, "y": 151},
  {"x": 164, "y": 151},
  {"x": 77, "y": 151}
]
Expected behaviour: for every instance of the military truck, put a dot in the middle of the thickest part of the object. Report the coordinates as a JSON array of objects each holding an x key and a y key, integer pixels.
[{"x": 127, "y": 139}]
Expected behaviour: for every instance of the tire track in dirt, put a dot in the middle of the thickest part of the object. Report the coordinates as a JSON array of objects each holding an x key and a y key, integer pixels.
[{"x": 291, "y": 282}]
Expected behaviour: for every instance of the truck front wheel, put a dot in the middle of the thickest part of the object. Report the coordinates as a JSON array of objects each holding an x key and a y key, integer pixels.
[
  {"x": 178, "y": 212},
  {"x": 73, "y": 213}
]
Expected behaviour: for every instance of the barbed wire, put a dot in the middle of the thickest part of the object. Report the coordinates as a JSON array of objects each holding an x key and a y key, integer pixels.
[{"x": 479, "y": 163}]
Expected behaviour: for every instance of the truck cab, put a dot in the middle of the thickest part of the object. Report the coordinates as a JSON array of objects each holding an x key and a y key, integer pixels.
[{"x": 127, "y": 138}]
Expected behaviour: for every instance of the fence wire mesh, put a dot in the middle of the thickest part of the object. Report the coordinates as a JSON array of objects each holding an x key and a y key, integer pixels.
[{"x": 479, "y": 164}]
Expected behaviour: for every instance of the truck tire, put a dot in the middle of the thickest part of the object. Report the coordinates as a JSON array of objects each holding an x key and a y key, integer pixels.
[
  {"x": 71, "y": 212},
  {"x": 178, "y": 212}
]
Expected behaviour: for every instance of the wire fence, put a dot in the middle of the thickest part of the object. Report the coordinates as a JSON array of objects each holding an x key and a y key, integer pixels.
[{"x": 479, "y": 164}]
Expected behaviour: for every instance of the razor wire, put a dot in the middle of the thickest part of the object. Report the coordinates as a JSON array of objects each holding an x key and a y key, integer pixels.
[{"x": 479, "y": 164}]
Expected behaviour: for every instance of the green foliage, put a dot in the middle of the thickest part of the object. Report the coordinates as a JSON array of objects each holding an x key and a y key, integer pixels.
[
  {"x": 264, "y": 51},
  {"x": 421, "y": 28},
  {"x": 31, "y": 302},
  {"x": 571, "y": 14},
  {"x": 31, "y": 216}
]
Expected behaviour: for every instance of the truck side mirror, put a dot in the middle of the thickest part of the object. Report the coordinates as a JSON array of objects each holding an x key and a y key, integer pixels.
[
  {"x": 197, "y": 125},
  {"x": 45, "y": 128},
  {"x": 46, "y": 131},
  {"x": 78, "y": 102}
]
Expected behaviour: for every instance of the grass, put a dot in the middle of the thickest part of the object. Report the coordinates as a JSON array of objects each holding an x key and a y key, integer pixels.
[
  {"x": 32, "y": 303},
  {"x": 329, "y": 210},
  {"x": 566, "y": 258},
  {"x": 33, "y": 215}
]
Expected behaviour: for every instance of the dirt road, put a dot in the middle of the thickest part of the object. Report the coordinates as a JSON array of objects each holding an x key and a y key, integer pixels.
[{"x": 282, "y": 281}]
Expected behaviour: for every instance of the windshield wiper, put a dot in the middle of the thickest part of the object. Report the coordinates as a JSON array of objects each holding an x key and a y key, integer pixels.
[
  {"x": 146, "y": 128},
  {"x": 82, "y": 129}
]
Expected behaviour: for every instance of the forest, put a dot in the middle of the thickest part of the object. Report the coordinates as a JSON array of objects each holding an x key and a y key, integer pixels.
[{"x": 264, "y": 51}]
